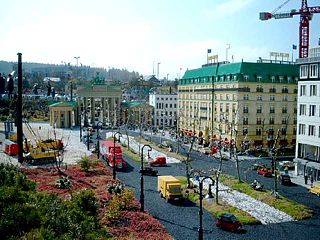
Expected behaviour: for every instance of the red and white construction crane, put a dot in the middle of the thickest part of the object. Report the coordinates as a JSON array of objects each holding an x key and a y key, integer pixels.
[{"x": 305, "y": 13}]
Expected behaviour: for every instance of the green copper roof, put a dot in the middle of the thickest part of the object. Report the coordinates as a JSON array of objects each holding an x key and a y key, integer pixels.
[
  {"x": 253, "y": 70},
  {"x": 133, "y": 104},
  {"x": 60, "y": 103}
]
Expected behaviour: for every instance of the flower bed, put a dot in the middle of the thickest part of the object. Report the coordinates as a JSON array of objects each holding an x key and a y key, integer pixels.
[{"x": 132, "y": 223}]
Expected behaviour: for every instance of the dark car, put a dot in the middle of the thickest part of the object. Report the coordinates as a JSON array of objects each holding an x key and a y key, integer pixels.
[
  {"x": 228, "y": 222},
  {"x": 149, "y": 171},
  {"x": 285, "y": 179}
]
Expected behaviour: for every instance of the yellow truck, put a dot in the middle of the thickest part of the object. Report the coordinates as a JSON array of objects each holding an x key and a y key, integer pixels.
[
  {"x": 169, "y": 188},
  {"x": 315, "y": 189}
]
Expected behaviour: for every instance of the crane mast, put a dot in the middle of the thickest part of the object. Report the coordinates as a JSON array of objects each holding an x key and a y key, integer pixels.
[{"x": 305, "y": 13}]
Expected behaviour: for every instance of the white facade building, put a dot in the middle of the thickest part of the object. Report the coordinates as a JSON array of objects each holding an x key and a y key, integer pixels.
[
  {"x": 165, "y": 109},
  {"x": 307, "y": 157}
]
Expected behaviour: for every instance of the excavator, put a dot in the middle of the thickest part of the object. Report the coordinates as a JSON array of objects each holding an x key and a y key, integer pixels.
[{"x": 42, "y": 152}]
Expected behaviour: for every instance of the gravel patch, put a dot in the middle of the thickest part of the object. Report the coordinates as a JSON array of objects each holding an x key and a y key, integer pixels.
[{"x": 259, "y": 210}]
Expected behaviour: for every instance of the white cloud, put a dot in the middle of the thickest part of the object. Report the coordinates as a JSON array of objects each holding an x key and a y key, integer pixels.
[{"x": 227, "y": 8}]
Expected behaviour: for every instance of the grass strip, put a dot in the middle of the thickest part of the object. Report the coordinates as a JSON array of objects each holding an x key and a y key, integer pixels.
[{"x": 296, "y": 210}]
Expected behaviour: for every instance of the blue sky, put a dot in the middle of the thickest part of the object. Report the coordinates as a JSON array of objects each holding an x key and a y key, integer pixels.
[{"x": 137, "y": 34}]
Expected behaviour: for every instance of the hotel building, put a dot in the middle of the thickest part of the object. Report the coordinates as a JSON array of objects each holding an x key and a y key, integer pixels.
[{"x": 243, "y": 102}]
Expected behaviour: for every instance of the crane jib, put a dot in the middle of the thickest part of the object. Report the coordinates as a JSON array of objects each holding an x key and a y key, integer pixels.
[{"x": 282, "y": 15}]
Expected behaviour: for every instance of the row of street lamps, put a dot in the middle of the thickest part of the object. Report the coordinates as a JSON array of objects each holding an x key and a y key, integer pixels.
[{"x": 201, "y": 181}]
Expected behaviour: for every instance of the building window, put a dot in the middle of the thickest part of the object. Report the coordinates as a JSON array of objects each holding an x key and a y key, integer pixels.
[
  {"x": 270, "y": 132},
  {"x": 259, "y": 78},
  {"x": 258, "y": 131},
  {"x": 285, "y": 98},
  {"x": 259, "y": 109},
  {"x": 283, "y": 131},
  {"x": 302, "y": 110},
  {"x": 312, "y": 130},
  {"x": 273, "y": 89},
  {"x": 245, "y": 109},
  {"x": 246, "y": 78},
  {"x": 284, "y": 120},
  {"x": 302, "y": 129},
  {"x": 246, "y": 97},
  {"x": 312, "y": 110},
  {"x": 281, "y": 79},
  {"x": 313, "y": 70},
  {"x": 313, "y": 90},
  {"x": 303, "y": 90},
  {"x": 303, "y": 71},
  {"x": 245, "y": 131},
  {"x": 285, "y": 89},
  {"x": 271, "y": 120},
  {"x": 245, "y": 121},
  {"x": 259, "y": 98},
  {"x": 284, "y": 109},
  {"x": 272, "y": 98},
  {"x": 259, "y": 121},
  {"x": 259, "y": 88},
  {"x": 227, "y": 108},
  {"x": 272, "y": 109}
]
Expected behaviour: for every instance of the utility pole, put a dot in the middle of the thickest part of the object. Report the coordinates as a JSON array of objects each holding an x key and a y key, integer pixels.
[
  {"x": 19, "y": 111},
  {"x": 158, "y": 71}
]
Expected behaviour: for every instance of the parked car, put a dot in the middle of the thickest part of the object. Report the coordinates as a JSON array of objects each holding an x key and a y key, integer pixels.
[
  {"x": 149, "y": 171},
  {"x": 266, "y": 172},
  {"x": 166, "y": 144},
  {"x": 228, "y": 222},
  {"x": 159, "y": 161},
  {"x": 288, "y": 164},
  {"x": 285, "y": 179},
  {"x": 205, "y": 150},
  {"x": 315, "y": 189},
  {"x": 224, "y": 156},
  {"x": 257, "y": 166}
]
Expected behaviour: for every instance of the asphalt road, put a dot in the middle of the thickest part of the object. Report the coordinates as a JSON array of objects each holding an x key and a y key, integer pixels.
[{"x": 182, "y": 221}]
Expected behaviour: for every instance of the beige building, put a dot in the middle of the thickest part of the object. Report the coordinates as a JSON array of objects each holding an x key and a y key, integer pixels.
[
  {"x": 136, "y": 114},
  {"x": 63, "y": 114},
  {"x": 249, "y": 100},
  {"x": 100, "y": 102}
]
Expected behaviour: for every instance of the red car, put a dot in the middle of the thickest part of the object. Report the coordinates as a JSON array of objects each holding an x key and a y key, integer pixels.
[
  {"x": 158, "y": 162},
  {"x": 266, "y": 172},
  {"x": 228, "y": 222}
]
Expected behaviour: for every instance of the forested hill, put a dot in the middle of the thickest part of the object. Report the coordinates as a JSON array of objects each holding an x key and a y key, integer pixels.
[{"x": 64, "y": 69}]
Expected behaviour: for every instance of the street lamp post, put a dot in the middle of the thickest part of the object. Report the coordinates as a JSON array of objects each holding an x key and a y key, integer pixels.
[
  {"x": 114, "y": 154},
  {"x": 141, "y": 178},
  {"x": 98, "y": 139},
  {"x": 88, "y": 139},
  {"x": 80, "y": 127},
  {"x": 71, "y": 90},
  {"x": 200, "y": 230}
]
